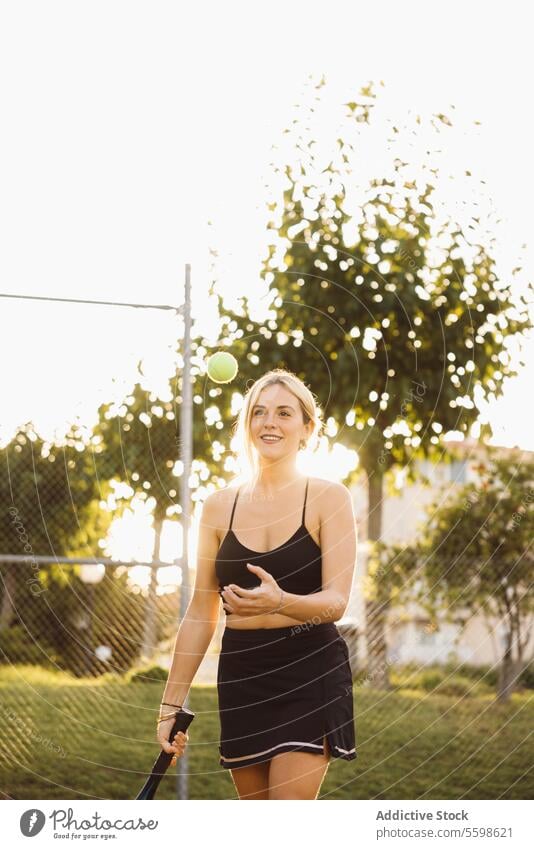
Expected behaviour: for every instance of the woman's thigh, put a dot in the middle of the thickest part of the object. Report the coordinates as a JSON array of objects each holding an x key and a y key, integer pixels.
[
  {"x": 252, "y": 782},
  {"x": 297, "y": 775}
]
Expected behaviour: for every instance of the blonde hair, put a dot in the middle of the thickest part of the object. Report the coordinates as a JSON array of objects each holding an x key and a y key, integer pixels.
[{"x": 247, "y": 454}]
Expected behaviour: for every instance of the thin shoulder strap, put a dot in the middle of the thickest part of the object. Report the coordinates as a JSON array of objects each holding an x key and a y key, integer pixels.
[
  {"x": 233, "y": 508},
  {"x": 305, "y": 497}
]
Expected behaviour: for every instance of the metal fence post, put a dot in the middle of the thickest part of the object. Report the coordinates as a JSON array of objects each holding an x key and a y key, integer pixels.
[{"x": 186, "y": 428}]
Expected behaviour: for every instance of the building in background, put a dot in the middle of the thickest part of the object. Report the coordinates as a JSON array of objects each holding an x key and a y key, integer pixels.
[{"x": 410, "y": 635}]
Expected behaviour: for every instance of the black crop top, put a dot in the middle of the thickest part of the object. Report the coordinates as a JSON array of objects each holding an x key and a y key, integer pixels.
[{"x": 296, "y": 565}]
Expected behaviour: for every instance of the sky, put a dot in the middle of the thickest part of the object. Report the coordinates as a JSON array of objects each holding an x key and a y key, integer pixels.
[{"x": 133, "y": 125}]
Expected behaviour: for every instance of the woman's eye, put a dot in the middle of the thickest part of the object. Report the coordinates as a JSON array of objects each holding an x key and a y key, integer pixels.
[{"x": 283, "y": 413}]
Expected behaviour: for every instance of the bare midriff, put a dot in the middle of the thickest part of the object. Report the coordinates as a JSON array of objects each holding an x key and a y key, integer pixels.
[{"x": 262, "y": 620}]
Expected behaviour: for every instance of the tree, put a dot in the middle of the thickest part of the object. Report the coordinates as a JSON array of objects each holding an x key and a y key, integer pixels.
[
  {"x": 477, "y": 556},
  {"x": 396, "y": 311},
  {"x": 52, "y": 507},
  {"x": 392, "y": 582}
]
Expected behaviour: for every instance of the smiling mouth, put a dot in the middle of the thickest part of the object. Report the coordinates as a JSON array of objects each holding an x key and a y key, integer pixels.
[{"x": 270, "y": 439}]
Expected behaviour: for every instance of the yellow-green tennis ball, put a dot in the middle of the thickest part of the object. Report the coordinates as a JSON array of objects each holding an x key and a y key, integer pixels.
[{"x": 222, "y": 367}]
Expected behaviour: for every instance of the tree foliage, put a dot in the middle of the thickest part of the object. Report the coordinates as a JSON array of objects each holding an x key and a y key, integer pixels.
[
  {"x": 395, "y": 309},
  {"x": 388, "y": 307},
  {"x": 477, "y": 554}
]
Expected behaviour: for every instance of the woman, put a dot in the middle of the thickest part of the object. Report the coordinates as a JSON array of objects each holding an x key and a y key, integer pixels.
[{"x": 284, "y": 680}]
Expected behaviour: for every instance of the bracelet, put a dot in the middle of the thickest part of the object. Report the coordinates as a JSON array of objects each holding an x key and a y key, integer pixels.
[
  {"x": 280, "y": 604},
  {"x": 166, "y": 716},
  {"x": 171, "y": 704}
]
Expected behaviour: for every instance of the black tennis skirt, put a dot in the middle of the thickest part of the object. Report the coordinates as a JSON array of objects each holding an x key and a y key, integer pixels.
[{"x": 284, "y": 690}]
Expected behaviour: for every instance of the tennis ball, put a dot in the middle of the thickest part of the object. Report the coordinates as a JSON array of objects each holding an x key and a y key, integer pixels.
[{"x": 222, "y": 367}]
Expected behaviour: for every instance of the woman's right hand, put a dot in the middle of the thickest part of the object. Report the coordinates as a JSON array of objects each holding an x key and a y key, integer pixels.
[{"x": 177, "y": 746}]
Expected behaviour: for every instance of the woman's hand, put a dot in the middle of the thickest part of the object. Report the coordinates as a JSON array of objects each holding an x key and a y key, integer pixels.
[
  {"x": 177, "y": 746},
  {"x": 262, "y": 599}
]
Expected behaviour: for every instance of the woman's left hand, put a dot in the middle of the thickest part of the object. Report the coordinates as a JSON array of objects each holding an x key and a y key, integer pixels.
[{"x": 262, "y": 599}]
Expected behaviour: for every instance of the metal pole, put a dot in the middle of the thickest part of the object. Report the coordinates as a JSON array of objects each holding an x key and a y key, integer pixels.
[
  {"x": 186, "y": 432},
  {"x": 150, "y": 612},
  {"x": 92, "y": 561},
  {"x": 92, "y": 655},
  {"x": 86, "y": 301}
]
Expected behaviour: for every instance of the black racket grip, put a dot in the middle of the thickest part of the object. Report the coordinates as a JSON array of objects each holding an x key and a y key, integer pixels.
[{"x": 183, "y": 720}]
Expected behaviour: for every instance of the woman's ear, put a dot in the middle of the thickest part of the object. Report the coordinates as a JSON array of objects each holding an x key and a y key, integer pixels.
[{"x": 304, "y": 439}]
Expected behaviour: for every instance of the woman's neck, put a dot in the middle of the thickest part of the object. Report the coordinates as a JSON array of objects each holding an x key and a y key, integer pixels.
[{"x": 273, "y": 481}]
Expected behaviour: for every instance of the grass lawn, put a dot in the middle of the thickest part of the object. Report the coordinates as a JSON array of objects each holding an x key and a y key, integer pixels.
[{"x": 64, "y": 738}]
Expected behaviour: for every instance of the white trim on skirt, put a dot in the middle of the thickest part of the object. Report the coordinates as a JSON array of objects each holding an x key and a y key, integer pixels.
[{"x": 289, "y": 743}]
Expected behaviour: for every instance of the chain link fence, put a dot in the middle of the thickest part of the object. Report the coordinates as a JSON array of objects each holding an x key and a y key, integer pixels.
[
  {"x": 86, "y": 641},
  {"x": 83, "y": 662}
]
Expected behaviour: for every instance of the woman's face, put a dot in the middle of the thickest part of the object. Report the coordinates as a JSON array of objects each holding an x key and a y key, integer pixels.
[{"x": 277, "y": 412}]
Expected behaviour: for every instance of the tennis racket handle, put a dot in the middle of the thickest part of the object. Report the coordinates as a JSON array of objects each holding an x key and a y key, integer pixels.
[{"x": 183, "y": 720}]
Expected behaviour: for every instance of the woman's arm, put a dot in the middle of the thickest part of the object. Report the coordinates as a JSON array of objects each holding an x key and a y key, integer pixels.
[
  {"x": 338, "y": 549},
  {"x": 198, "y": 625}
]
